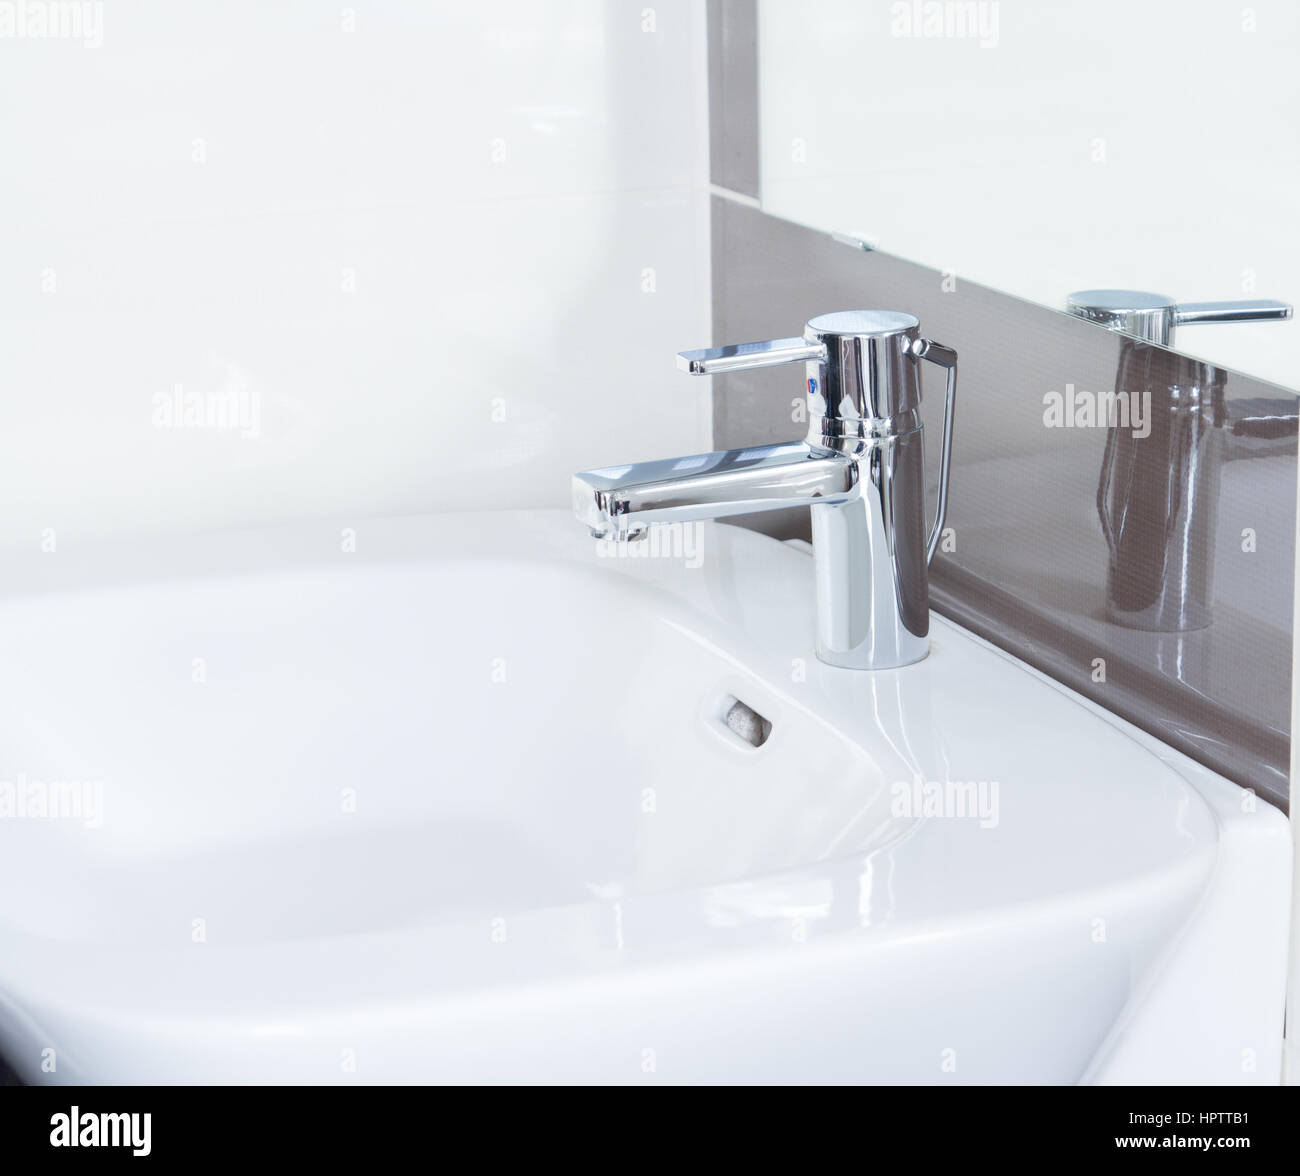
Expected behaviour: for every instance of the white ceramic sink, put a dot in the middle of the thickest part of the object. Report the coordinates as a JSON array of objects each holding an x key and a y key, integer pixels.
[{"x": 461, "y": 805}]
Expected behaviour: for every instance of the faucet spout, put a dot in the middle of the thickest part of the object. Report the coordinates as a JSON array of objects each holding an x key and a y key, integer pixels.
[{"x": 621, "y": 501}]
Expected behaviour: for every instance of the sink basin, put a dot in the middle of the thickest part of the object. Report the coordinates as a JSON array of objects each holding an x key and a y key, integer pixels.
[{"x": 464, "y": 804}]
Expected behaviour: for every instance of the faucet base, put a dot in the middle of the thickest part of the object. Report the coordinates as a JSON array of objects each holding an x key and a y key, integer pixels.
[
  {"x": 853, "y": 659},
  {"x": 850, "y": 660},
  {"x": 873, "y": 599}
]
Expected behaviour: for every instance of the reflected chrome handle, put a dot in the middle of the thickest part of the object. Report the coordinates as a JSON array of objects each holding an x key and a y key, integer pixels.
[
  {"x": 945, "y": 357},
  {"x": 739, "y": 357},
  {"x": 1153, "y": 316},
  {"x": 1258, "y": 310}
]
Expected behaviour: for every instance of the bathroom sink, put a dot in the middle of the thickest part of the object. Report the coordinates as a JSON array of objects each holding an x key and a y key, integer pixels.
[{"x": 476, "y": 798}]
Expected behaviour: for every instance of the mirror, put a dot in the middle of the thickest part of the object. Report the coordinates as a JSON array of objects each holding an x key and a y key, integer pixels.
[{"x": 1044, "y": 147}]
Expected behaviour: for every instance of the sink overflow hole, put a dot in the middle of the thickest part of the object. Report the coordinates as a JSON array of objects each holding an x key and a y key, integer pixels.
[{"x": 745, "y": 721}]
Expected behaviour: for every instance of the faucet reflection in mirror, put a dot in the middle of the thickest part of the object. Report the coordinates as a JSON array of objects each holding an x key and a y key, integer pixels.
[
  {"x": 860, "y": 470},
  {"x": 1158, "y": 494}
]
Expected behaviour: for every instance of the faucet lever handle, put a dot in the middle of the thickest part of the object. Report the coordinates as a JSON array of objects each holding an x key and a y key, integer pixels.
[
  {"x": 1255, "y": 310},
  {"x": 1153, "y": 316},
  {"x": 739, "y": 357}
]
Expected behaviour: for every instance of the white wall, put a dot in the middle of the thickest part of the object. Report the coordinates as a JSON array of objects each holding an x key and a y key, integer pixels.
[
  {"x": 383, "y": 226},
  {"x": 1064, "y": 146}
]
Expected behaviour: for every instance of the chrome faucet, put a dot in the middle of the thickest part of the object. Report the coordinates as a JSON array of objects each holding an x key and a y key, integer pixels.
[
  {"x": 1158, "y": 494},
  {"x": 860, "y": 470}
]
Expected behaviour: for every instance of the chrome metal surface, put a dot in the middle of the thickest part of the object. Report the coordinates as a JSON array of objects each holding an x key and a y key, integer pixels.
[
  {"x": 1251, "y": 310},
  {"x": 860, "y": 470},
  {"x": 1158, "y": 495},
  {"x": 945, "y": 357},
  {"x": 740, "y": 357},
  {"x": 1153, "y": 317},
  {"x": 620, "y": 500}
]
